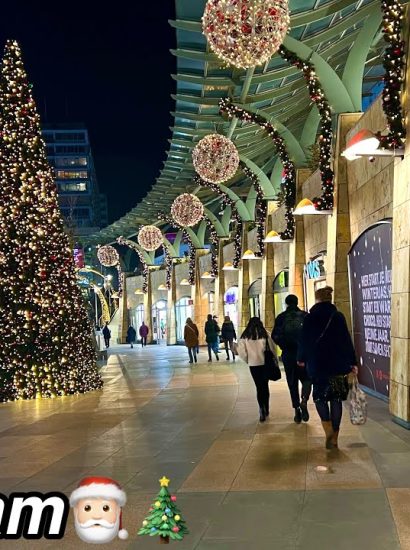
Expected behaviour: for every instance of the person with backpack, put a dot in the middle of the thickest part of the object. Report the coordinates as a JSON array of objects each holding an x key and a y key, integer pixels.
[
  {"x": 286, "y": 334},
  {"x": 326, "y": 350}
]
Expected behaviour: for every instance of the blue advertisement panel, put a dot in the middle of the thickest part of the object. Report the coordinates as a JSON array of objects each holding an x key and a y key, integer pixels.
[{"x": 370, "y": 265}]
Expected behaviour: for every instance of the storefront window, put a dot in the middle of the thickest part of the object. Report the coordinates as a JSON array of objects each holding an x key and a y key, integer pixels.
[
  {"x": 183, "y": 310},
  {"x": 159, "y": 321},
  {"x": 137, "y": 316},
  {"x": 254, "y": 293},
  {"x": 314, "y": 278},
  {"x": 231, "y": 304},
  {"x": 280, "y": 291}
]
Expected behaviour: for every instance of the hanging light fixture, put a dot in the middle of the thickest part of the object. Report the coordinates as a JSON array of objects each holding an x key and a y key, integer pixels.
[
  {"x": 138, "y": 291},
  {"x": 228, "y": 266},
  {"x": 249, "y": 255},
  {"x": 366, "y": 144},
  {"x": 306, "y": 207},
  {"x": 184, "y": 282},
  {"x": 274, "y": 237},
  {"x": 162, "y": 287},
  {"x": 207, "y": 275}
]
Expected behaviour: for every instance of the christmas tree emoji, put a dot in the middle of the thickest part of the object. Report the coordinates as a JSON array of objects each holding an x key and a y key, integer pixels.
[{"x": 164, "y": 519}]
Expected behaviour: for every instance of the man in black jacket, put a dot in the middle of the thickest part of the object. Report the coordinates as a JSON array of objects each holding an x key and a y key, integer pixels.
[{"x": 286, "y": 334}]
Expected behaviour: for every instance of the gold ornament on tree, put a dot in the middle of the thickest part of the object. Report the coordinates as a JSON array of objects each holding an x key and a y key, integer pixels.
[
  {"x": 245, "y": 33},
  {"x": 187, "y": 210},
  {"x": 215, "y": 158},
  {"x": 108, "y": 256},
  {"x": 150, "y": 238}
]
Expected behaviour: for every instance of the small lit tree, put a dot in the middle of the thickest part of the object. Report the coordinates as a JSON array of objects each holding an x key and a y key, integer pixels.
[
  {"x": 45, "y": 336},
  {"x": 164, "y": 519}
]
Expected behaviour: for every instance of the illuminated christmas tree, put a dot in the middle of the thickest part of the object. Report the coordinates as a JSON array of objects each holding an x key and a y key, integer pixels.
[
  {"x": 45, "y": 335},
  {"x": 164, "y": 519}
]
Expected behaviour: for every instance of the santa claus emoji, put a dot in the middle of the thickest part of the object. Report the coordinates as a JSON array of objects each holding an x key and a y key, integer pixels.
[{"x": 97, "y": 504}]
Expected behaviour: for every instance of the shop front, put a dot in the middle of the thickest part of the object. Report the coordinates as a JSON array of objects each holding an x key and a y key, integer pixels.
[
  {"x": 231, "y": 304},
  {"x": 254, "y": 295},
  {"x": 280, "y": 291},
  {"x": 159, "y": 321},
  {"x": 183, "y": 310},
  {"x": 314, "y": 278},
  {"x": 370, "y": 275}
]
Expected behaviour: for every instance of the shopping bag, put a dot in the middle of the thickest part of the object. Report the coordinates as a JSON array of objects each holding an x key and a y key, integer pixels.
[
  {"x": 357, "y": 404},
  {"x": 271, "y": 364},
  {"x": 235, "y": 348}
]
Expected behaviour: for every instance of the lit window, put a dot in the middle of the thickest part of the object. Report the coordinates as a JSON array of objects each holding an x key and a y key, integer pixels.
[
  {"x": 62, "y": 174},
  {"x": 71, "y": 161},
  {"x": 73, "y": 187}
]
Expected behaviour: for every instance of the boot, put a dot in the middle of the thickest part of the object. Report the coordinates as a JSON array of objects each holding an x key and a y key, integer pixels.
[
  {"x": 262, "y": 415},
  {"x": 304, "y": 410},
  {"x": 335, "y": 438},
  {"x": 217, "y": 356},
  {"x": 266, "y": 409},
  {"x": 327, "y": 426},
  {"x": 298, "y": 415}
]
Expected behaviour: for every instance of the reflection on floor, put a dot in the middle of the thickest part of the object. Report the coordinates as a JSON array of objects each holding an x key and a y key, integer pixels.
[{"x": 240, "y": 484}]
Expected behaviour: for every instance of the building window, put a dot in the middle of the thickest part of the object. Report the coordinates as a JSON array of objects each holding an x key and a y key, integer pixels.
[
  {"x": 62, "y": 174},
  {"x": 79, "y": 187},
  {"x": 69, "y": 136},
  {"x": 63, "y": 149},
  {"x": 71, "y": 161}
]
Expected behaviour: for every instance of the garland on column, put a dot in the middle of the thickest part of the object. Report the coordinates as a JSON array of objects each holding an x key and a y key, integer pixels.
[
  {"x": 213, "y": 237},
  {"x": 287, "y": 195},
  {"x": 261, "y": 210},
  {"x": 145, "y": 270},
  {"x": 168, "y": 267},
  {"x": 317, "y": 95},
  {"x": 227, "y": 201},
  {"x": 393, "y": 63}
]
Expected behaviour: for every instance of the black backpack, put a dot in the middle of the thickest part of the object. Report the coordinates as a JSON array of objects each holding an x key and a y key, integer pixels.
[{"x": 292, "y": 328}]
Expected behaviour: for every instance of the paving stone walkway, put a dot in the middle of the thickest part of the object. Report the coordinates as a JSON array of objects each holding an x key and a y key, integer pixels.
[{"x": 240, "y": 484}]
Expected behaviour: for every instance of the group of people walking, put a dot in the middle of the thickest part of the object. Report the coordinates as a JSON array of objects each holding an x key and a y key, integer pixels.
[
  {"x": 213, "y": 336},
  {"x": 317, "y": 351},
  {"x": 132, "y": 335}
]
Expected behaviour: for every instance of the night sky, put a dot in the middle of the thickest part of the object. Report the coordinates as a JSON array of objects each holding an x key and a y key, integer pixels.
[{"x": 109, "y": 68}]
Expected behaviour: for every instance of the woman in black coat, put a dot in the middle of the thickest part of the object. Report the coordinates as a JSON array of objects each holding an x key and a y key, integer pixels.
[
  {"x": 228, "y": 336},
  {"x": 326, "y": 350}
]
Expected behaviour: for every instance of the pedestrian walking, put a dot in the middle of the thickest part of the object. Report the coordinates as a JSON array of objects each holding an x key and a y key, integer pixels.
[
  {"x": 286, "y": 334},
  {"x": 251, "y": 348},
  {"x": 212, "y": 331},
  {"x": 131, "y": 335},
  {"x": 144, "y": 331},
  {"x": 191, "y": 337},
  {"x": 326, "y": 351},
  {"x": 228, "y": 336},
  {"x": 107, "y": 335}
]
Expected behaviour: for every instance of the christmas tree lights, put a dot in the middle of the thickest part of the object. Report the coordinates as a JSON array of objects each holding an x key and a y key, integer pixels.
[
  {"x": 317, "y": 95},
  {"x": 46, "y": 348}
]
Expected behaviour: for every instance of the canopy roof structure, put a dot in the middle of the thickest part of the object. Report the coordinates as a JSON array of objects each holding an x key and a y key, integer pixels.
[{"x": 342, "y": 38}]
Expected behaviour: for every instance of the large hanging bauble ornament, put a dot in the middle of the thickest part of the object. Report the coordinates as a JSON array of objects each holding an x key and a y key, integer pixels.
[
  {"x": 187, "y": 210},
  {"x": 215, "y": 158},
  {"x": 245, "y": 33},
  {"x": 150, "y": 238},
  {"x": 108, "y": 256}
]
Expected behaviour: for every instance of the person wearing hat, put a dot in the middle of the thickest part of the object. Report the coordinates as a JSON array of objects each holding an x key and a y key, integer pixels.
[
  {"x": 286, "y": 334},
  {"x": 97, "y": 503}
]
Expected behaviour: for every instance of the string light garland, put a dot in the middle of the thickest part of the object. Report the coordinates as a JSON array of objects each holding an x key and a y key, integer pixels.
[
  {"x": 261, "y": 210},
  {"x": 215, "y": 158},
  {"x": 227, "y": 201},
  {"x": 150, "y": 237},
  {"x": 317, "y": 95},
  {"x": 213, "y": 237},
  {"x": 393, "y": 63},
  {"x": 187, "y": 210},
  {"x": 245, "y": 33},
  {"x": 287, "y": 195},
  {"x": 46, "y": 348},
  {"x": 168, "y": 267},
  {"x": 145, "y": 271}
]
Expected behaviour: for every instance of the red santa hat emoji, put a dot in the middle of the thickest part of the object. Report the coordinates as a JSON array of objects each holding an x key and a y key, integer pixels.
[{"x": 101, "y": 487}]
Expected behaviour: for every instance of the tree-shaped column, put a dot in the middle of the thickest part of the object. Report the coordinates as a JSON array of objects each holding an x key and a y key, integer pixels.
[
  {"x": 164, "y": 519},
  {"x": 45, "y": 335}
]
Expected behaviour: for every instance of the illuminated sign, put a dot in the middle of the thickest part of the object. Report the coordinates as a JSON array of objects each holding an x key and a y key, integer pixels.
[{"x": 314, "y": 269}]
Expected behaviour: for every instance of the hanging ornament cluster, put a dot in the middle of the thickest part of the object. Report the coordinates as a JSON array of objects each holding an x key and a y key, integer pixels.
[
  {"x": 245, "y": 33},
  {"x": 150, "y": 237},
  {"x": 108, "y": 256},
  {"x": 287, "y": 194},
  {"x": 187, "y": 210},
  {"x": 317, "y": 95},
  {"x": 145, "y": 271},
  {"x": 261, "y": 210},
  {"x": 215, "y": 158},
  {"x": 393, "y": 63}
]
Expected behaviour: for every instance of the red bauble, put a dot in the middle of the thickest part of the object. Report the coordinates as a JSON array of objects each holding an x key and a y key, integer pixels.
[{"x": 173, "y": 498}]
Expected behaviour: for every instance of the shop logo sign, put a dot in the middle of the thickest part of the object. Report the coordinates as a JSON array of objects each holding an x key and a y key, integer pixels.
[
  {"x": 33, "y": 515},
  {"x": 314, "y": 269}
]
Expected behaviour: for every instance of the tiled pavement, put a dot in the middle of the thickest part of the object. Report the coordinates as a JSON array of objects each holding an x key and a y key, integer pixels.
[{"x": 240, "y": 484}]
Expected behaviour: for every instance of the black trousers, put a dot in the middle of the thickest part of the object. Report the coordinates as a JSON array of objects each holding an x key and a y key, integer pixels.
[
  {"x": 107, "y": 342},
  {"x": 143, "y": 341},
  {"x": 294, "y": 375},
  {"x": 262, "y": 386}
]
